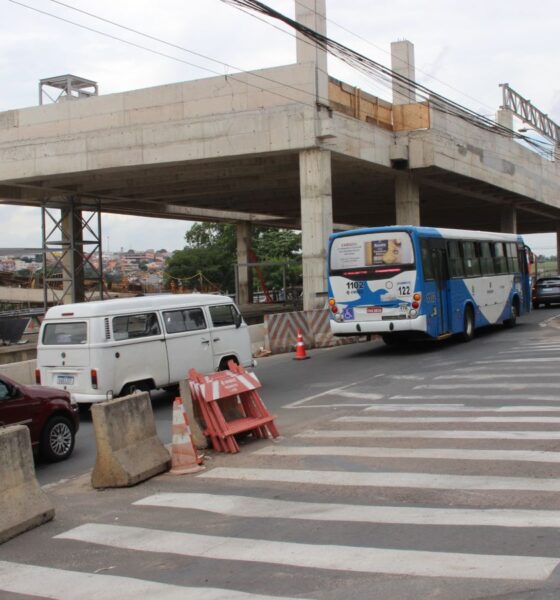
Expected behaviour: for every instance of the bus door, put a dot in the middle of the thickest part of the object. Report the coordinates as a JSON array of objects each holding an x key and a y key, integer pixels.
[
  {"x": 526, "y": 258},
  {"x": 438, "y": 255}
]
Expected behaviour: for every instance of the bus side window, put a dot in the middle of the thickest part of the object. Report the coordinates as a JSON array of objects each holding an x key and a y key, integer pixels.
[
  {"x": 500, "y": 261},
  {"x": 486, "y": 259},
  {"x": 470, "y": 258},
  {"x": 513, "y": 264},
  {"x": 455, "y": 260},
  {"x": 426, "y": 259}
]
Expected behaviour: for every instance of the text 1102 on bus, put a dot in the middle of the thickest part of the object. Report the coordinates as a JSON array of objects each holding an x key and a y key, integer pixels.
[{"x": 407, "y": 282}]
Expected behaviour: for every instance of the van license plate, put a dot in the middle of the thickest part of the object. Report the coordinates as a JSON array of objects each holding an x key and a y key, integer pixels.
[{"x": 65, "y": 379}]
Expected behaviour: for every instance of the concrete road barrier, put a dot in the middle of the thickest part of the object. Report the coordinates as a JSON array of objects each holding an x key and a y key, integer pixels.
[
  {"x": 23, "y": 504},
  {"x": 128, "y": 448}
]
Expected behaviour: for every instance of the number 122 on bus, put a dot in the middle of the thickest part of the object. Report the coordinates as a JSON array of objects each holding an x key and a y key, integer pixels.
[{"x": 407, "y": 282}]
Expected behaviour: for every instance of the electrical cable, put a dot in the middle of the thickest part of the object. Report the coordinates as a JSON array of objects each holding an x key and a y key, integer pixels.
[{"x": 384, "y": 74}]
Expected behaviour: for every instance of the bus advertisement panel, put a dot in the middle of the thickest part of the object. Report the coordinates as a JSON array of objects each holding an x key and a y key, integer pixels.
[{"x": 405, "y": 282}]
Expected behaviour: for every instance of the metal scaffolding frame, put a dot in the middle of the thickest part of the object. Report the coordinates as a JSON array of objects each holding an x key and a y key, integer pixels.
[
  {"x": 522, "y": 108},
  {"x": 70, "y": 242}
]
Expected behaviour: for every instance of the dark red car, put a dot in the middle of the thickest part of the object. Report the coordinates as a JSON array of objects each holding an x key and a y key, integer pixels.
[{"x": 49, "y": 413}]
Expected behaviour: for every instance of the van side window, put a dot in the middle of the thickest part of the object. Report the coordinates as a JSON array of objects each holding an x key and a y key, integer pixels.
[
  {"x": 60, "y": 334},
  {"x": 130, "y": 327},
  {"x": 223, "y": 315},
  {"x": 177, "y": 321}
]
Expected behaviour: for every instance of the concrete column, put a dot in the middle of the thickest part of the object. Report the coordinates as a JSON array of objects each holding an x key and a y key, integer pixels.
[
  {"x": 508, "y": 221},
  {"x": 313, "y": 14},
  {"x": 407, "y": 199},
  {"x": 244, "y": 295},
  {"x": 558, "y": 248},
  {"x": 402, "y": 62},
  {"x": 504, "y": 117},
  {"x": 73, "y": 275},
  {"x": 316, "y": 223}
]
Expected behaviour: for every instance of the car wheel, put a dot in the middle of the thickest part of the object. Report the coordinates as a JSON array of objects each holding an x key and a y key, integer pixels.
[
  {"x": 468, "y": 325},
  {"x": 57, "y": 440}
]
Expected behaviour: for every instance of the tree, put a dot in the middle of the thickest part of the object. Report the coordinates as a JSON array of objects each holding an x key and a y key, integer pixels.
[{"x": 211, "y": 249}]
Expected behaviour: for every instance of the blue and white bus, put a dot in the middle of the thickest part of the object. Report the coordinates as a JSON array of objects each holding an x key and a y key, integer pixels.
[{"x": 406, "y": 282}]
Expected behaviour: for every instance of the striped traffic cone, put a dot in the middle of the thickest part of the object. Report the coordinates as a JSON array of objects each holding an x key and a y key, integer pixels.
[
  {"x": 300, "y": 347},
  {"x": 184, "y": 458}
]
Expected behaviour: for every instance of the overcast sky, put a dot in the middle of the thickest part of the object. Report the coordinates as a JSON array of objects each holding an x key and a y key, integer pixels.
[{"x": 463, "y": 51}]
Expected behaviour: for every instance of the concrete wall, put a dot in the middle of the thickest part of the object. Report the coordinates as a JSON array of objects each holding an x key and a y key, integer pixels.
[
  {"x": 22, "y": 372},
  {"x": 459, "y": 147},
  {"x": 206, "y": 118}
]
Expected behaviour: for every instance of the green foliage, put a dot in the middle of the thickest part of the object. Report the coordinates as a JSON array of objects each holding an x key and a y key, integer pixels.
[{"x": 211, "y": 249}]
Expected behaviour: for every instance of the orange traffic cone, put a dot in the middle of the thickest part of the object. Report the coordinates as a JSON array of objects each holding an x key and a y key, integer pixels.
[
  {"x": 300, "y": 347},
  {"x": 184, "y": 458}
]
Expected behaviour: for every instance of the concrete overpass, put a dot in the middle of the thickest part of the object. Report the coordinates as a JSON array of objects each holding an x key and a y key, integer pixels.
[{"x": 288, "y": 147}]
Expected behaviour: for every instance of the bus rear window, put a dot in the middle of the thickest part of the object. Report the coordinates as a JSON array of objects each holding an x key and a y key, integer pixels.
[
  {"x": 61, "y": 334},
  {"x": 372, "y": 250}
]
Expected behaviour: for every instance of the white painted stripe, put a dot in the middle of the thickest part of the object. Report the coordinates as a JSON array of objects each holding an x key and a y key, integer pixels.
[
  {"x": 457, "y": 419},
  {"x": 59, "y": 584},
  {"x": 517, "y": 360},
  {"x": 485, "y": 386},
  {"x": 362, "y": 395},
  {"x": 248, "y": 385},
  {"x": 431, "y": 481},
  {"x": 333, "y": 405},
  {"x": 332, "y": 391},
  {"x": 501, "y": 397},
  {"x": 421, "y": 453},
  {"x": 486, "y": 376},
  {"x": 318, "y": 556},
  {"x": 524, "y": 351},
  {"x": 215, "y": 390},
  {"x": 263, "y": 508},
  {"x": 459, "y": 434},
  {"x": 458, "y": 407}
]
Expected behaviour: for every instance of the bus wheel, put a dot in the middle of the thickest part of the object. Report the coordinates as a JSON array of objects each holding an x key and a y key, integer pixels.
[
  {"x": 513, "y": 319},
  {"x": 468, "y": 325}
]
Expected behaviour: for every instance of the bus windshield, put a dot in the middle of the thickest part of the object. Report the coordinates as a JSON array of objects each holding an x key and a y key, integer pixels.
[{"x": 371, "y": 250}]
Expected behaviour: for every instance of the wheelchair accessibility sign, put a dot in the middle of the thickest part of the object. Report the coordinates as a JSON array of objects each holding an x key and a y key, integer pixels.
[{"x": 348, "y": 314}]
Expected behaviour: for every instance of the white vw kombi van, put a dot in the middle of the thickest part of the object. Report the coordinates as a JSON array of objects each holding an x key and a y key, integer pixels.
[{"x": 100, "y": 350}]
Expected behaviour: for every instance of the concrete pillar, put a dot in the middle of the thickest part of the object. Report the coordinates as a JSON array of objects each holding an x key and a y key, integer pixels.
[
  {"x": 407, "y": 199},
  {"x": 402, "y": 62},
  {"x": 508, "y": 221},
  {"x": 313, "y": 14},
  {"x": 558, "y": 248},
  {"x": 504, "y": 117},
  {"x": 244, "y": 295},
  {"x": 73, "y": 263},
  {"x": 316, "y": 223}
]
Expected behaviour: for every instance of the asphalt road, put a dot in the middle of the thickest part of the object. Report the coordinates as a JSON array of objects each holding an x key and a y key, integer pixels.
[{"x": 430, "y": 471}]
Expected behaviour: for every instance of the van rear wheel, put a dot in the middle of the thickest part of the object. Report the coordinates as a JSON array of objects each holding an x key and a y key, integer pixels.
[{"x": 135, "y": 387}]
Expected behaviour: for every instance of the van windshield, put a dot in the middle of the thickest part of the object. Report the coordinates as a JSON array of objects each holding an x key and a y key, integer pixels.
[{"x": 61, "y": 334}]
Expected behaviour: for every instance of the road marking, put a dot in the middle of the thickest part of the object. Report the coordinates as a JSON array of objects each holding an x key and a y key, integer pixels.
[
  {"x": 263, "y": 508},
  {"x": 318, "y": 556},
  {"x": 420, "y": 453},
  {"x": 502, "y": 397},
  {"x": 517, "y": 360},
  {"x": 332, "y": 391},
  {"x": 485, "y": 386},
  {"x": 459, "y": 434},
  {"x": 457, "y": 407},
  {"x": 457, "y": 419},
  {"x": 430, "y": 481},
  {"x": 477, "y": 376},
  {"x": 60, "y": 584}
]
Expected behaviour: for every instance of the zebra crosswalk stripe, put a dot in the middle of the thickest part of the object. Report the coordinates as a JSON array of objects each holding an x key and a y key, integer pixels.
[
  {"x": 317, "y": 556},
  {"x": 433, "y": 481},
  {"x": 456, "y": 434},
  {"x": 539, "y": 456},
  {"x": 245, "y": 506},
  {"x": 456, "y": 419},
  {"x": 60, "y": 584}
]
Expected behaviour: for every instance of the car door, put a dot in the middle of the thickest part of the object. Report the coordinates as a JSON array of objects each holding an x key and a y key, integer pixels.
[
  {"x": 227, "y": 338},
  {"x": 188, "y": 342},
  {"x": 17, "y": 408}
]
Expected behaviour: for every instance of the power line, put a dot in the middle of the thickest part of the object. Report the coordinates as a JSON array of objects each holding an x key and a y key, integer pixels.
[
  {"x": 363, "y": 39},
  {"x": 382, "y": 73},
  {"x": 174, "y": 58}
]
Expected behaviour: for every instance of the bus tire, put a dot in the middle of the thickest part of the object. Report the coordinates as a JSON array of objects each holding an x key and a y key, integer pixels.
[
  {"x": 468, "y": 325},
  {"x": 511, "y": 322}
]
